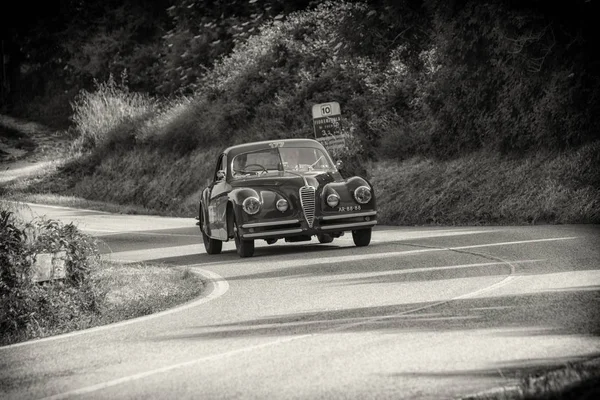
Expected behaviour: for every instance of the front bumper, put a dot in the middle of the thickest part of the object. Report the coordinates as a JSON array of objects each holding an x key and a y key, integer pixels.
[{"x": 299, "y": 226}]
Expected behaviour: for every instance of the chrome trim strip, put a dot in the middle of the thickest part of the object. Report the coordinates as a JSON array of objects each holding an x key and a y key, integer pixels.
[
  {"x": 273, "y": 223},
  {"x": 271, "y": 233},
  {"x": 349, "y": 225},
  {"x": 362, "y": 214}
]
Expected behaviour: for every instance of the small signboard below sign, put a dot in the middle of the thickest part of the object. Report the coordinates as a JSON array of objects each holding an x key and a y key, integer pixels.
[
  {"x": 49, "y": 266},
  {"x": 332, "y": 142},
  {"x": 326, "y": 124}
]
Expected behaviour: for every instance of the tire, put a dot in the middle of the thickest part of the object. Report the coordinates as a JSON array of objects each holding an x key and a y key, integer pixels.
[
  {"x": 361, "y": 237},
  {"x": 212, "y": 246},
  {"x": 245, "y": 248},
  {"x": 324, "y": 238}
]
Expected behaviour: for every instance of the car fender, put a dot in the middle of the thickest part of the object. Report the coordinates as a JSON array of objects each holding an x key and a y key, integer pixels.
[
  {"x": 345, "y": 190},
  {"x": 268, "y": 199},
  {"x": 202, "y": 212}
]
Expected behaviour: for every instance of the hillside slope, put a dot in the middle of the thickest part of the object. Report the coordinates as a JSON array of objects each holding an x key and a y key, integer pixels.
[{"x": 448, "y": 111}]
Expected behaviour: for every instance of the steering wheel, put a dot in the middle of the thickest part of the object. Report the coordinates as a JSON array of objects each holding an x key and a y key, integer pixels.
[{"x": 257, "y": 165}]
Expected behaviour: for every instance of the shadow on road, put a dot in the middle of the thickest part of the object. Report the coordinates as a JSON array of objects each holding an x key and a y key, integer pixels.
[{"x": 567, "y": 312}]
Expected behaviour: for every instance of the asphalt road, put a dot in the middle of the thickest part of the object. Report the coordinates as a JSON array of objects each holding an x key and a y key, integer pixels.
[{"x": 421, "y": 313}]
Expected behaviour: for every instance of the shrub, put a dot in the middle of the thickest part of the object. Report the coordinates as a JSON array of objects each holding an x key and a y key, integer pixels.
[
  {"x": 511, "y": 78},
  {"x": 14, "y": 254},
  {"x": 103, "y": 116},
  {"x": 34, "y": 309}
]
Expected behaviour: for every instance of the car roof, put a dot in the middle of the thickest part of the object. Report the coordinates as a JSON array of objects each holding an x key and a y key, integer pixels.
[{"x": 268, "y": 144}]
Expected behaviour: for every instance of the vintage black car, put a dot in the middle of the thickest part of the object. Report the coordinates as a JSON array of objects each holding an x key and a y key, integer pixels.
[{"x": 283, "y": 189}]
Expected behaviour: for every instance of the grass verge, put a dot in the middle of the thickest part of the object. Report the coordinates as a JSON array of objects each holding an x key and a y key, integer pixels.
[
  {"x": 580, "y": 380},
  {"x": 488, "y": 189},
  {"x": 121, "y": 292}
]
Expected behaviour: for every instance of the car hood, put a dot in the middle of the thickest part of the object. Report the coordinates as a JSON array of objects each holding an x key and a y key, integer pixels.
[{"x": 315, "y": 179}]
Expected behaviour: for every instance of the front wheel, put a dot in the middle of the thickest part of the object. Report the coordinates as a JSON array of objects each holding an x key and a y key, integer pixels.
[
  {"x": 361, "y": 237},
  {"x": 245, "y": 248}
]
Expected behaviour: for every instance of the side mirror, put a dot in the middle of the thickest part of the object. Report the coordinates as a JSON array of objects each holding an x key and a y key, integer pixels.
[
  {"x": 220, "y": 175},
  {"x": 339, "y": 164}
]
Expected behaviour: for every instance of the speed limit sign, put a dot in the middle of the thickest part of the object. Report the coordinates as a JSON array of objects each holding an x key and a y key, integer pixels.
[{"x": 326, "y": 110}]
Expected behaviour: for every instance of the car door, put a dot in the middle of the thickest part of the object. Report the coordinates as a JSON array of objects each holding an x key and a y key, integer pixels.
[{"x": 217, "y": 202}]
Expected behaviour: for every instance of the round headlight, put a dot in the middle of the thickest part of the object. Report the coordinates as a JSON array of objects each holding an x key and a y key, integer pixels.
[
  {"x": 362, "y": 194},
  {"x": 333, "y": 200},
  {"x": 282, "y": 205},
  {"x": 251, "y": 205}
]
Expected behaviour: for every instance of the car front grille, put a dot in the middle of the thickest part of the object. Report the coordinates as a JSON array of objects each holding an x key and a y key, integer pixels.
[{"x": 307, "y": 198}]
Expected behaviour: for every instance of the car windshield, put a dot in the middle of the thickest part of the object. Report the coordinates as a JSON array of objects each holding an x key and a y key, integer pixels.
[{"x": 280, "y": 159}]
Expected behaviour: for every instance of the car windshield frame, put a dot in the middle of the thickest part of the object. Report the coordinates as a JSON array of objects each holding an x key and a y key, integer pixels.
[{"x": 280, "y": 159}]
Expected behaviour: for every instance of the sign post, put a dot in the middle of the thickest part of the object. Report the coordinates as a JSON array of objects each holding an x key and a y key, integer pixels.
[{"x": 326, "y": 124}]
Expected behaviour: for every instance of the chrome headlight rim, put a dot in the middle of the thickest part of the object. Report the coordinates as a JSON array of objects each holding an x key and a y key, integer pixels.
[
  {"x": 362, "y": 194},
  {"x": 251, "y": 205},
  {"x": 282, "y": 205},
  {"x": 333, "y": 200}
]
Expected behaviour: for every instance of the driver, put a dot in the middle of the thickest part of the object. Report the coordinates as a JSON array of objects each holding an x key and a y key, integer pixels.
[{"x": 292, "y": 158}]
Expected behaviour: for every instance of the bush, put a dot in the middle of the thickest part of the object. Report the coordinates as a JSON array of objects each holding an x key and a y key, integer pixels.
[
  {"x": 33, "y": 309},
  {"x": 110, "y": 114},
  {"x": 511, "y": 78},
  {"x": 14, "y": 254}
]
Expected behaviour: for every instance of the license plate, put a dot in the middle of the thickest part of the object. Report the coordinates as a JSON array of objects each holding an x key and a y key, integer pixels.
[{"x": 349, "y": 208}]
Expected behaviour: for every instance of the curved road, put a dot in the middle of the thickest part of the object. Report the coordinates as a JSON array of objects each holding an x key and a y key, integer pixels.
[{"x": 420, "y": 313}]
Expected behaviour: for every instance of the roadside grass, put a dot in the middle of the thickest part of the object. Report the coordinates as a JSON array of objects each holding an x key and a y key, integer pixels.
[
  {"x": 577, "y": 380},
  {"x": 121, "y": 292},
  {"x": 137, "y": 289},
  {"x": 140, "y": 180},
  {"x": 488, "y": 189}
]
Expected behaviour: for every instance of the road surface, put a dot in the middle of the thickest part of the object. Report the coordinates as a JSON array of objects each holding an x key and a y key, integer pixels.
[{"x": 423, "y": 313}]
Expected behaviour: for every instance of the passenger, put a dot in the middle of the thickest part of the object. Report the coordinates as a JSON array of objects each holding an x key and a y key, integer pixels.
[{"x": 239, "y": 164}]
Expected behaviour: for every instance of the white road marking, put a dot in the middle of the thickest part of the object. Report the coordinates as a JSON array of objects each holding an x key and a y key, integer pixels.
[
  {"x": 220, "y": 287},
  {"x": 431, "y": 269},
  {"x": 511, "y": 243},
  {"x": 64, "y": 208}
]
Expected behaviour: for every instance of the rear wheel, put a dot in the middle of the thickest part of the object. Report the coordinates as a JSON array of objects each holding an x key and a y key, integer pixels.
[
  {"x": 361, "y": 237},
  {"x": 212, "y": 246},
  {"x": 324, "y": 238},
  {"x": 245, "y": 248}
]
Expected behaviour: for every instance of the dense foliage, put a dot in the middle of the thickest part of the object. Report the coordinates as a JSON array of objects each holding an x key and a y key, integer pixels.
[{"x": 413, "y": 77}]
